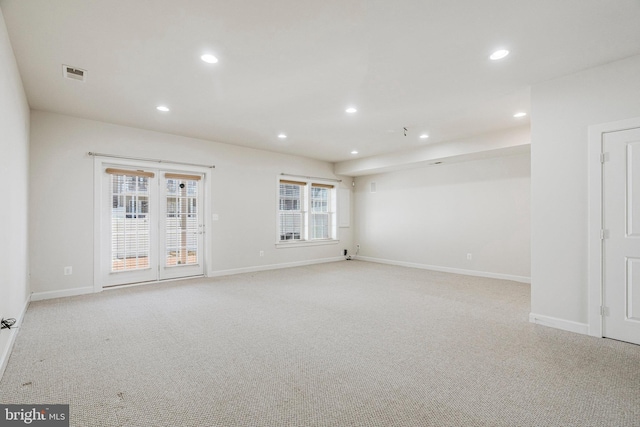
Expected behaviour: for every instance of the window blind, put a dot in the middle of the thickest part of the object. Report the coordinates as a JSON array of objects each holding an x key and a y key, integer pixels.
[
  {"x": 182, "y": 176},
  {"x": 130, "y": 230},
  {"x": 291, "y": 208},
  {"x": 282, "y": 181},
  {"x": 320, "y": 201},
  {"x": 114, "y": 171},
  {"x": 322, "y": 185}
]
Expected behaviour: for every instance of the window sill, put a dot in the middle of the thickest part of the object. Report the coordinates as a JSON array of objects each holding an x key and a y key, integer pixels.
[{"x": 283, "y": 245}]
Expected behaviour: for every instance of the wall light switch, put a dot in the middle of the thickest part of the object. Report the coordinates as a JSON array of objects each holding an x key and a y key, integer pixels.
[{"x": 68, "y": 271}]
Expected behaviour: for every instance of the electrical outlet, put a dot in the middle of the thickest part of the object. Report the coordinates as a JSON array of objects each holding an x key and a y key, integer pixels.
[
  {"x": 68, "y": 271},
  {"x": 261, "y": 253},
  {"x": 469, "y": 256}
]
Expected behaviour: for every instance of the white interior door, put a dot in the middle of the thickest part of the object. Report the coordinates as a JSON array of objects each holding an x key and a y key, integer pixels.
[
  {"x": 621, "y": 247},
  {"x": 151, "y": 224}
]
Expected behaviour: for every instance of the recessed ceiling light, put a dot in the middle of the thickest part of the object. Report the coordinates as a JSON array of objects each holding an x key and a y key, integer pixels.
[
  {"x": 351, "y": 110},
  {"x": 282, "y": 136},
  {"x": 354, "y": 152},
  {"x": 162, "y": 108},
  {"x": 208, "y": 58},
  {"x": 424, "y": 136},
  {"x": 519, "y": 115},
  {"x": 499, "y": 54}
]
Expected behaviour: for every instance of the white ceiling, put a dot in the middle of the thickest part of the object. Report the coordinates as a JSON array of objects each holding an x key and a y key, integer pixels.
[{"x": 294, "y": 66}]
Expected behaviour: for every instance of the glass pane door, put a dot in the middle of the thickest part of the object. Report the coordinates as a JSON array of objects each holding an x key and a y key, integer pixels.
[
  {"x": 181, "y": 229},
  {"x": 128, "y": 218}
]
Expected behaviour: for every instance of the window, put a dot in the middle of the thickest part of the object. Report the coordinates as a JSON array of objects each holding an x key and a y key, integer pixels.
[
  {"x": 291, "y": 212},
  {"x": 320, "y": 214},
  {"x": 306, "y": 211}
]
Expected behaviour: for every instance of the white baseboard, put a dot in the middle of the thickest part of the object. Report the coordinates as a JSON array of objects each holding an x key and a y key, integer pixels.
[
  {"x": 271, "y": 267},
  {"x": 4, "y": 358},
  {"x": 39, "y": 296},
  {"x": 477, "y": 273},
  {"x": 554, "y": 322}
]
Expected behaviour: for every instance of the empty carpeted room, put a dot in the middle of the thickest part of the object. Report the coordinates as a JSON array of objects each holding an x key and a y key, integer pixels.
[{"x": 335, "y": 213}]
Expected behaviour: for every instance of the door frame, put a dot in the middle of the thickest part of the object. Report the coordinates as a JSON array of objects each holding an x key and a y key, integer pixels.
[
  {"x": 100, "y": 162},
  {"x": 595, "y": 242}
]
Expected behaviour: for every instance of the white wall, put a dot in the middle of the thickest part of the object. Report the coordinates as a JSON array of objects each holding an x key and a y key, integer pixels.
[
  {"x": 433, "y": 216},
  {"x": 14, "y": 169},
  {"x": 243, "y": 194},
  {"x": 561, "y": 111}
]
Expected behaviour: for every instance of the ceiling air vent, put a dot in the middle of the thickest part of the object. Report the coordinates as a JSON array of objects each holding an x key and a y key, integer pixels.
[{"x": 74, "y": 73}]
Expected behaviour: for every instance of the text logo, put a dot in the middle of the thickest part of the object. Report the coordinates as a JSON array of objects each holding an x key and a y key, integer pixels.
[{"x": 34, "y": 415}]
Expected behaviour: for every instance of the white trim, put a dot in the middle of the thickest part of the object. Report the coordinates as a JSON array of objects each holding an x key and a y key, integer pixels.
[
  {"x": 152, "y": 282},
  {"x": 97, "y": 223},
  {"x": 477, "y": 273},
  {"x": 39, "y": 296},
  {"x": 272, "y": 267},
  {"x": 87, "y": 290},
  {"x": 554, "y": 322},
  {"x": 4, "y": 358},
  {"x": 596, "y": 133}
]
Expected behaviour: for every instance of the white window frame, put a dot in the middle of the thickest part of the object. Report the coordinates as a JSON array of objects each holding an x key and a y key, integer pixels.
[{"x": 305, "y": 238}]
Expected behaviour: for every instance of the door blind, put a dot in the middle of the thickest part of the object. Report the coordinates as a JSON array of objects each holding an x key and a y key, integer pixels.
[
  {"x": 181, "y": 221},
  {"x": 130, "y": 230}
]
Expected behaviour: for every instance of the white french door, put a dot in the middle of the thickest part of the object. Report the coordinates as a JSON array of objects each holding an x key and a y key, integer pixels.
[
  {"x": 181, "y": 227},
  {"x": 151, "y": 224}
]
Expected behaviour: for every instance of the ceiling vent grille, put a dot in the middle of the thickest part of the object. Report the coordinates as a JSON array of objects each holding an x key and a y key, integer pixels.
[{"x": 74, "y": 73}]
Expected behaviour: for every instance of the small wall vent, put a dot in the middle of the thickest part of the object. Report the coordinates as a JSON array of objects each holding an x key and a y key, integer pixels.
[{"x": 74, "y": 73}]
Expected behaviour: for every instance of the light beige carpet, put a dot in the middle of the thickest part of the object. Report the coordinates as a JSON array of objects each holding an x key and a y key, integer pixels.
[{"x": 341, "y": 344}]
